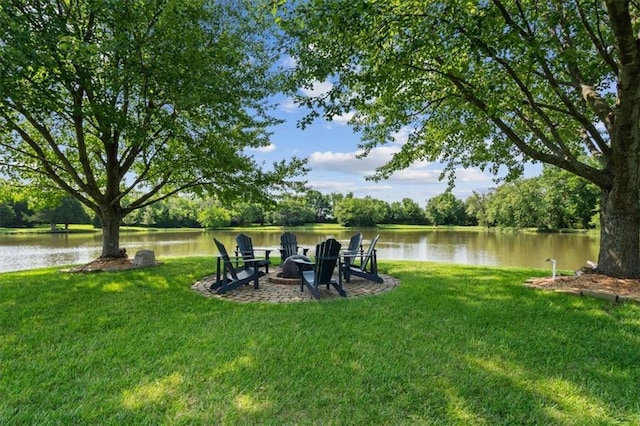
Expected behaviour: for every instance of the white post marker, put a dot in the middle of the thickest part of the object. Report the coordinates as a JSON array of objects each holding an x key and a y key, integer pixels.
[{"x": 553, "y": 268}]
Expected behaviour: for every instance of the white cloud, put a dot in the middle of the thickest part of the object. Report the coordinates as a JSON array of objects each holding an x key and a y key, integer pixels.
[
  {"x": 402, "y": 135},
  {"x": 318, "y": 88},
  {"x": 420, "y": 173},
  {"x": 343, "y": 119},
  {"x": 375, "y": 188},
  {"x": 269, "y": 148},
  {"x": 328, "y": 186},
  {"x": 429, "y": 173},
  {"x": 347, "y": 162},
  {"x": 416, "y": 174},
  {"x": 343, "y": 187},
  {"x": 289, "y": 62},
  {"x": 472, "y": 175},
  {"x": 288, "y": 105}
]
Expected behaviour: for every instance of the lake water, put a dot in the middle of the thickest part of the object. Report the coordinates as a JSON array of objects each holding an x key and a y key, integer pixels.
[{"x": 571, "y": 251}]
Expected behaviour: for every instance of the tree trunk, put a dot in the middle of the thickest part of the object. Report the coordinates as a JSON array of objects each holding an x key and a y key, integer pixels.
[
  {"x": 619, "y": 237},
  {"x": 111, "y": 218}
]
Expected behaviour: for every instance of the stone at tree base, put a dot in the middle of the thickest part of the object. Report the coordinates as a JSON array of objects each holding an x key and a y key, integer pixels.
[{"x": 144, "y": 258}]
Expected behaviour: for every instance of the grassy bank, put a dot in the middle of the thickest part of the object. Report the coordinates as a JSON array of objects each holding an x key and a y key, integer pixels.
[
  {"x": 451, "y": 345},
  {"x": 89, "y": 229},
  {"x": 310, "y": 226}
]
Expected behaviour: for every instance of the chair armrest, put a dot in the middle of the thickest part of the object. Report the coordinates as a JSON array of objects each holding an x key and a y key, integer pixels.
[
  {"x": 240, "y": 259},
  {"x": 350, "y": 254},
  {"x": 304, "y": 265},
  {"x": 234, "y": 257},
  {"x": 266, "y": 250}
]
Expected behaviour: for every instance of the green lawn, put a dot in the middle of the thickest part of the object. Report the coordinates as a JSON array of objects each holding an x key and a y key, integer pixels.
[{"x": 451, "y": 345}]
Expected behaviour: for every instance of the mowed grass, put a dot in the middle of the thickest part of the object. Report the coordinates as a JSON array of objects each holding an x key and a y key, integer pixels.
[{"x": 451, "y": 345}]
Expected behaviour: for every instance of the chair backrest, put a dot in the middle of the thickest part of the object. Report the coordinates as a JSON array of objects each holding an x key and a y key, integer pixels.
[
  {"x": 370, "y": 252},
  {"x": 245, "y": 246},
  {"x": 355, "y": 243},
  {"x": 226, "y": 259},
  {"x": 327, "y": 255},
  {"x": 289, "y": 245}
]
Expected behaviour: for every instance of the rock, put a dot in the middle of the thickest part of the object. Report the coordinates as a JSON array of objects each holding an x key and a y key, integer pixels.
[
  {"x": 589, "y": 268},
  {"x": 144, "y": 258}
]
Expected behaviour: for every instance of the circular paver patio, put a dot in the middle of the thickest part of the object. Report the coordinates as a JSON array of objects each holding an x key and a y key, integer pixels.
[{"x": 272, "y": 292}]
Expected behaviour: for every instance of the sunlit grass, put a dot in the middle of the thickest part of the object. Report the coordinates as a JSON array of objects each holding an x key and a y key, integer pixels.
[{"x": 451, "y": 345}]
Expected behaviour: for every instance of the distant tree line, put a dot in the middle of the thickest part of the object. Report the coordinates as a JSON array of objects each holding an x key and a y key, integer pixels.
[
  {"x": 554, "y": 200},
  {"x": 18, "y": 211}
]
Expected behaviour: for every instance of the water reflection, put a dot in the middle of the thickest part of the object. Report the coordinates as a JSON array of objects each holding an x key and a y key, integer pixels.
[{"x": 18, "y": 252}]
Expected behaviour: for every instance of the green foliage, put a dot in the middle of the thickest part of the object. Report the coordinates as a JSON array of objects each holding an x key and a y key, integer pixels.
[
  {"x": 412, "y": 212},
  {"x": 15, "y": 212},
  {"x": 7, "y": 216},
  {"x": 407, "y": 212},
  {"x": 476, "y": 209},
  {"x": 478, "y": 84},
  {"x": 247, "y": 213},
  {"x": 214, "y": 217},
  {"x": 321, "y": 204},
  {"x": 174, "y": 212},
  {"x": 292, "y": 211},
  {"x": 68, "y": 210},
  {"x": 445, "y": 209},
  {"x": 360, "y": 212},
  {"x": 555, "y": 200},
  {"x": 168, "y": 94},
  {"x": 574, "y": 198},
  {"x": 493, "y": 85},
  {"x": 517, "y": 204}
]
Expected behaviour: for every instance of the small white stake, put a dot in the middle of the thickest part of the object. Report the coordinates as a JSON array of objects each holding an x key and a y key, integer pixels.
[{"x": 553, "y": 269}]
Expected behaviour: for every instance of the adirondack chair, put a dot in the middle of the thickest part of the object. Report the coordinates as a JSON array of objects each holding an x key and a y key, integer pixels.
[
  {"x": 367, "y": 267},
  {"x": 245, "y": 249},
  {"x": 326, "y": 258},
  {"x": 289, "y": 246},
  {"x": 355, "y": 244},
  {"x": 228, "y": 276},
  {"x": 355, "y": 247}
]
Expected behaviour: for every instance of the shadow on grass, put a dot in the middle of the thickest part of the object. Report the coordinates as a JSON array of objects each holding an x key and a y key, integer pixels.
[{"x": 452, "y": 344}]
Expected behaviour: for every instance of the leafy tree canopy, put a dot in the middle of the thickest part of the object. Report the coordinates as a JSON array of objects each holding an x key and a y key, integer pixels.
[
  {"x": 445, "y": 209},
  {"x": 487, "y": 84},
  {"x": 363, "y": 212},
  {"x": 124, "y": 103}
]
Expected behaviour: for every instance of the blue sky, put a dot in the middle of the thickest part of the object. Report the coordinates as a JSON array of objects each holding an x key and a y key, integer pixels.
[{"x": 331, "y": 148}]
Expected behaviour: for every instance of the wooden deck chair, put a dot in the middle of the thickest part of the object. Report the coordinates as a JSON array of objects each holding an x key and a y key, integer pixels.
[
  {"x": 325, "y": 261},
  {"x": 355, "y": 244},
  {"x": 230, "y": 277},
  {"x": 289, "y": 246},
  {"x": 367, "y": 267},
  {"x": 245, "y": 249}
]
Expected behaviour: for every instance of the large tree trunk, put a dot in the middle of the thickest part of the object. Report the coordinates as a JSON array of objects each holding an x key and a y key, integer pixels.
[
  {"x": 620, "y": 204},
  {"x": 619, "y": 237},
  {"x": 111, "y": 219}
]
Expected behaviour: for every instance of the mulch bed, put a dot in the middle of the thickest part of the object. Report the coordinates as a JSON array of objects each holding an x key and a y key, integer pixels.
[
  {"x": 105, "y": 264},
  {"x": 594, "y": 285}
]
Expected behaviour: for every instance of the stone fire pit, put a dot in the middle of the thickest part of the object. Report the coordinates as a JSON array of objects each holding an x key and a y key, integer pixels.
[
  {"x": 288, "y": 273},
  {"x": 276, "y": 279}
]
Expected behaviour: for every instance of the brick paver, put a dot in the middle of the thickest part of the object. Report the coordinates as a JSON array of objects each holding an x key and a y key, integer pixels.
[{"x": 270, "y": 292}]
